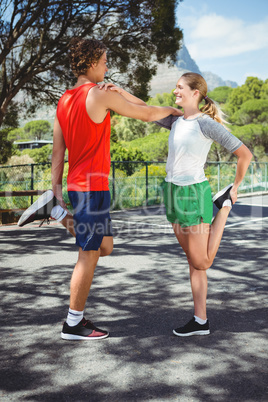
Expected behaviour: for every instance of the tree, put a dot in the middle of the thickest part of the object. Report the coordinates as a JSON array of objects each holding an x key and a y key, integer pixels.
[
  {"x": 39, "y": 155},
  {"x": 220, "y": 94},
  {"x": 16, "y": 134},
  {"x": 165, "y": 99},
  {"x": 251, "y": 111},
  {"x": 21, "y": 172},
  {"x": 37, "y": 129},
  {"x": 10, "y": 122},
  {"x": 155, "y": 145},
  {"x": 6, "y": 149},
  {"x": 34, "y": 39},
  {"x": 252, "y": 89},
  {"x": 264, "y": 90},
  {"x": 253, "y": 135},
  {"x": 119, "y": 153},
  {"x": 129, "y": 129},
  {"x": 114, "y": 137}
]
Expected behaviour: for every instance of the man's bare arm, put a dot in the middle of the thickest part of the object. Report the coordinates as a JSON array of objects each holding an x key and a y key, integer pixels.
[
  {"x": 57, "y": 167},
  {"x": 99, "y": 102},
  {"x": 129, "y": 97}
]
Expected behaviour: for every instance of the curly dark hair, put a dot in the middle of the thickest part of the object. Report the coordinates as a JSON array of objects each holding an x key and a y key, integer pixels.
[{"x": 84, "y": 52}]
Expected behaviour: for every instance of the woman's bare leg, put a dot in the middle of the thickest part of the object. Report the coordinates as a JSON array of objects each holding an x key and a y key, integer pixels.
[
  {"x": 199, "y": 285},
  {"x": 201, "y": 242},
  {"x": 198, "y": 280}
]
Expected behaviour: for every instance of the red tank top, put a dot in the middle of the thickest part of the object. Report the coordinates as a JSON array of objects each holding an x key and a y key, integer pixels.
[{"x": 88, "y": 143}]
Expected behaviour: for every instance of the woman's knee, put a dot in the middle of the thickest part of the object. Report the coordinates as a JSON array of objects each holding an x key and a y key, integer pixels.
[
  {"x": 201, "y": 264},
  {"x": 202, "y": 267}
]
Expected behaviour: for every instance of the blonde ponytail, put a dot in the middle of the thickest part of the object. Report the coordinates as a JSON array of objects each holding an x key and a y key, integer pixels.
[{"x": 211, "y": 108}]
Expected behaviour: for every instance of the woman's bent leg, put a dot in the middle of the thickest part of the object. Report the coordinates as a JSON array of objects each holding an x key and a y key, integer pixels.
[{"x": 201, "y": 242}]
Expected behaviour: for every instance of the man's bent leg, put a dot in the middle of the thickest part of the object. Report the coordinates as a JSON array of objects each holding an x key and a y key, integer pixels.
[
  {"x": 106, "y": 246},
  {"x": 68, "y": 223}
]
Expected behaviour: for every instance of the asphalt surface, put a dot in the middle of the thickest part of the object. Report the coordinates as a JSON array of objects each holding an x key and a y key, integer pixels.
[{"x": 139, "y": 293}]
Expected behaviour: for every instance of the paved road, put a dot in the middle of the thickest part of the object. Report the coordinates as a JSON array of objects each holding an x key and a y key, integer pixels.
[{"x": 140, "y": 293}]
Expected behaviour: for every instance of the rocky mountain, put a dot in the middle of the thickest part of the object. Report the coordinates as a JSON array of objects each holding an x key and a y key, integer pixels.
[{"x": 167, "y": 76}]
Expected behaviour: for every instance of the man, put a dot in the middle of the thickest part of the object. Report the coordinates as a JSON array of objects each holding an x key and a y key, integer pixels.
[{"x": 82, "y": 125}]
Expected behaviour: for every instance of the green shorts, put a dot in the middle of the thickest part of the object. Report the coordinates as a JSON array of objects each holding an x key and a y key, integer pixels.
[{"x": 188, "y": 205}]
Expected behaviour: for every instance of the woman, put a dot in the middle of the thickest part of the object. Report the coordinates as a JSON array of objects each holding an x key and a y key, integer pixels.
[{"x": 187, "y": 193}]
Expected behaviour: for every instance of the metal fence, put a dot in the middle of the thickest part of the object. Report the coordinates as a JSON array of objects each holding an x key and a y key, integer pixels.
[{"x": 132, "y": 184}]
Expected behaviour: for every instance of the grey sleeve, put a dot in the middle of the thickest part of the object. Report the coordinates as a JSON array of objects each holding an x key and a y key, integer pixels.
[
  {"x": 216, "y": 132},
  {"x": 167, "y": 121}
]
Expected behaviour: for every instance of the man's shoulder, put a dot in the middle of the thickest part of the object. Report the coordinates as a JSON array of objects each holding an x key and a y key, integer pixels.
[{"x": 101, "y": 97}]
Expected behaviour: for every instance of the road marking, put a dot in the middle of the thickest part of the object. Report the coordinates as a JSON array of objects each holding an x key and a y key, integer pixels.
[
  {"x": 250, "y": 205},
  {"x": 240, "y": 223},
  {"x": 141, "y": 223},
  {"x": 248, "y": 221}
]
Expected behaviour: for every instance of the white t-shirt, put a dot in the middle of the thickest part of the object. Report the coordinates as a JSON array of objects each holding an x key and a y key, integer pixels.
[{"x": 188, "y": 146}]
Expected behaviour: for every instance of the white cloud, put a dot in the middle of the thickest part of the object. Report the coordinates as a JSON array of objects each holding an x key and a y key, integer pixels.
[{"x": 214, "y": 36}]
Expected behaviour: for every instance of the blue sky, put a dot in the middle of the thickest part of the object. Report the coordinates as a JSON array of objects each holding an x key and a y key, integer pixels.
[{"x": 228, "y": 38}]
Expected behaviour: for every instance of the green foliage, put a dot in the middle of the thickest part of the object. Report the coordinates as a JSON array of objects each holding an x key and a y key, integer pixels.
[
  {"x": 252, "y": 89},
  {"x": 119, "y": 153},
  {"x": 165, "y": 99},
  {"x": 247, "y": 109},
  {"x": 37, "y": 129},
  {"x": 16, "y": 134},
  {"x": 39, "y": 155},
  {"x": 34, "y": 36},
  {"x": 6, "y": 147},
  {"x": 253, "y": 135},
  {"x": 217, "y": 153},
  {"x": 251, "y": 111},
  {"x": 153, "y": 171},
  {"x": 114, "y": 137},
  {"x": 254, "y": 86},
  {"x": 155, "y": 145},
  {"x": 238, "y": 96},
  {"x": 131, "y": 191},
  {"x": 259, "y": 153},
  {"x": 127, "y": 129},
  {"x": 11, "y": 117},
  {"x": 10, "y": 121},
  {"x": 220, "y": 94},
  {"x": 264, "y": 90},
  {"x": 21, "y": 173},
  {"x": 119, "y": 173}
]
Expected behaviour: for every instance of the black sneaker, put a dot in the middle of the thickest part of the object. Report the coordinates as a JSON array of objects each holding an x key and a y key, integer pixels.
[
  {"x": 84, "y": 331},
  {"x": 192, "y": 328},
  {"x": 223, "y": 198},
  {"x": 40, "y": 209}
]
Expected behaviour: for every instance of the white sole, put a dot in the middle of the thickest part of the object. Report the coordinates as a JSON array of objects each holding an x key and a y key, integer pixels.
[
  {"x": 71, "y": 337},
  {"x": 220, "y": 193},
  {"x": 41, "y": 202},
  {"x": 203, "y": 332}
]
